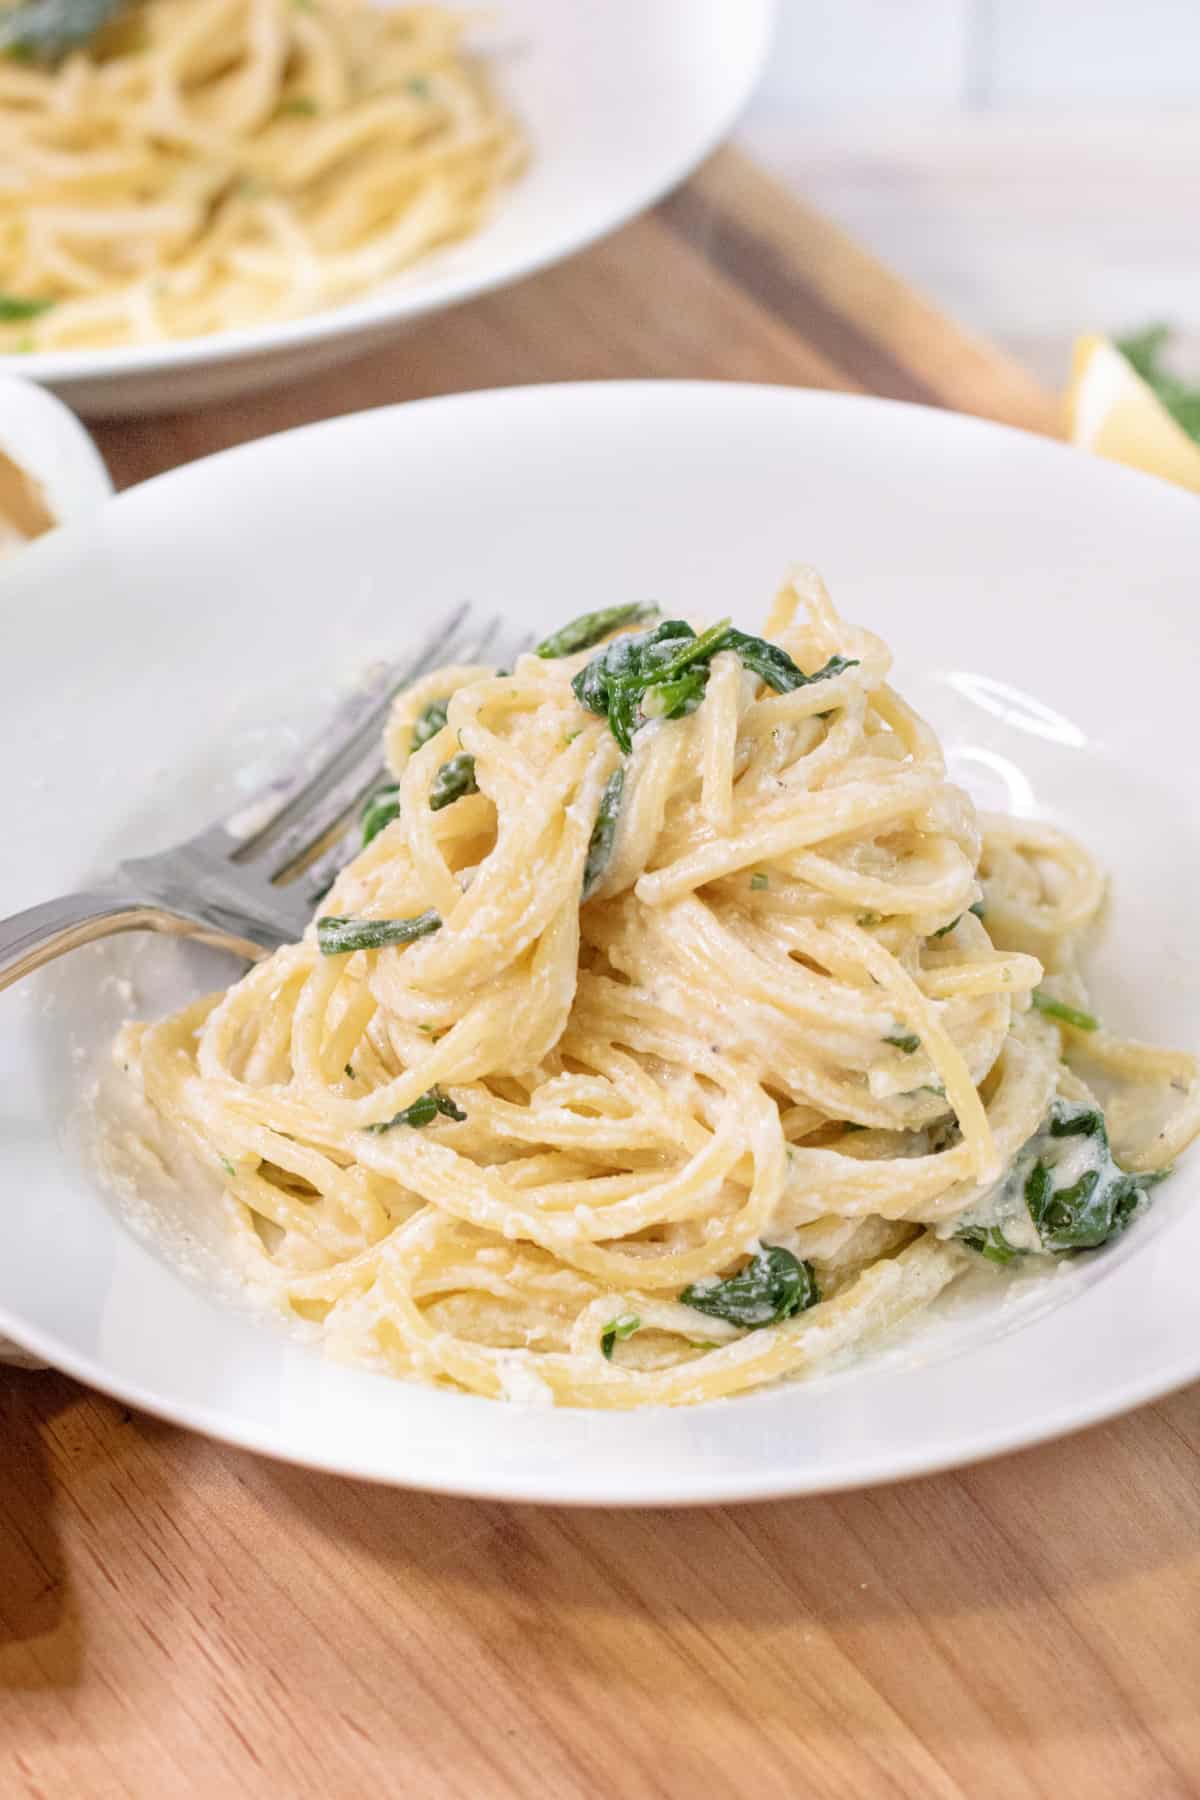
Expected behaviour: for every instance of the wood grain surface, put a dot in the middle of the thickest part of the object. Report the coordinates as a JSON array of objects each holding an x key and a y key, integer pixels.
[{"x": 178, "y": 1618}]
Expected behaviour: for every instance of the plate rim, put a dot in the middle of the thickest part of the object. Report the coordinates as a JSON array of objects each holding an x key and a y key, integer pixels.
[{"x": 705, "y": 1489}]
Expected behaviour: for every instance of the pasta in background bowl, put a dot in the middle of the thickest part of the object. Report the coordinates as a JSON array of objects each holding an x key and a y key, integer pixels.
[
  {"x": 203, "y": 197},
  {"x": 1018, "y": 607},
  {"x": 198, "y": 166}
]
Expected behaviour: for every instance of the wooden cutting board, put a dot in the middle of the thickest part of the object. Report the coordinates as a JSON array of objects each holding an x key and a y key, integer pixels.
[{"x": 179, "y": 1618}]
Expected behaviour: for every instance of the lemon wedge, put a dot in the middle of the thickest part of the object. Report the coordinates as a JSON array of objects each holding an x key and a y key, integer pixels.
[{"x": 1114, "y": 413}]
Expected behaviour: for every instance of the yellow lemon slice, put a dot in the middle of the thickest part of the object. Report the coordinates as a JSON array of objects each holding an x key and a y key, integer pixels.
[{"x": 1112, "y": 412}]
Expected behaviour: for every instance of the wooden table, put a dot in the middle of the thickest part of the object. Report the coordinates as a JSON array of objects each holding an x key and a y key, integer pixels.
[{"x": 178, "y": 1618}]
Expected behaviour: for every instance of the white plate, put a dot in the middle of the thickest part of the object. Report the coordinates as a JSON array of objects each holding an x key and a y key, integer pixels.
[
  {"x": 620, "y": 99},
  {"x": 155, "y": 649}
]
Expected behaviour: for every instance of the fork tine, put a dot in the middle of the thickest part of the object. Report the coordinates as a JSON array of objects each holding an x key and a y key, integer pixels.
[
  {"x": 355, "y": 724},
  {"x": 313, "y": 815},
  {"x": 291, "y": 851}
]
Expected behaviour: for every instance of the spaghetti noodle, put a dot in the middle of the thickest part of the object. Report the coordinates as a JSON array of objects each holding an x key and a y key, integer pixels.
[{"x": 660, "y": 1049}]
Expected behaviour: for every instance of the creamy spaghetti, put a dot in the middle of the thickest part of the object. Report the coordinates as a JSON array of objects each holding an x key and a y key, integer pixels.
[
  {"x": 677, "y": 1027},
  {"x": 203, "y": 165}
]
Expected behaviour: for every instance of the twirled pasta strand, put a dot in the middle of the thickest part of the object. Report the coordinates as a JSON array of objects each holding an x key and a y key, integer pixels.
[{"x": 777, "y": 1020}]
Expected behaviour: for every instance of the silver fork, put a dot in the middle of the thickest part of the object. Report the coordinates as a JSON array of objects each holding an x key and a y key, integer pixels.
[{"x": 250, "y": 882}]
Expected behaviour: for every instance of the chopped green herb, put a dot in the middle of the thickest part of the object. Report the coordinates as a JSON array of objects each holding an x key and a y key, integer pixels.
[
  {"x": 941, "y": 932},
  {"x": 908, "y": 1041},
  {"x": 302, "y": 105},
  {"x": 617, "y": 1330},
  {"x": 976, "y": 908},
  {"x": 350, "y": 1072},
  {"x": 759, "y": 880},
  {"x": 227, "y": 1166},
  {"x": 422, "y": 1112},
  {"x": 591, "y": 628},
  {"x": 428, "y": 722},
  {"x": 380, "y": 809},
  {"x": 773, "y": 1285},
  {"x": 453, "y": 780},
  {"x": 570, "y": 736},
  {"x": 340, "y": 937},
  {"x": 604, "y": 832},
  {"x": 1068, "y": 1015},
  {"x": 1144, "y": 350},
  {"x": 44, "y": 30}
]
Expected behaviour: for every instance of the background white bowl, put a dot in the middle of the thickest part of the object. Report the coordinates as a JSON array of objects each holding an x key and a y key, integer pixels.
[
  {"x": 44, "y": 438},
  {"x": 195, "y": 624},
  {"x": 620, "y": 99}
]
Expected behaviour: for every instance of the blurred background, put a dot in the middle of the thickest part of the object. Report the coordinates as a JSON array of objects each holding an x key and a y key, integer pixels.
[{"x": 1032, "y": 164}]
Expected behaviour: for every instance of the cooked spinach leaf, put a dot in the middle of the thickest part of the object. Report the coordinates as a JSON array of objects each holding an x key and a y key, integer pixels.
[
  {"x": 1099, "y": 1203},
  {"x": 616, "y": 1331},
  {"x": 590, "y": 628},
  {"x": 773, "y": 1285},
  {"x": 775, "y": 666},
  {"x": 613, "y": 682},
  {"x": 604, "y": 833},
  {"x": 1066, "y": 1181},
  {"x": 340, "y": 936},
  {"x": 454, "y": 779},
  {"x": 423, "y": 1111},
  {"x": 379, "y": 810},
  {"x": 44, "y": 30},
  {"x": 662, "y": 673},
  {"x": 990, "y": 1241}
]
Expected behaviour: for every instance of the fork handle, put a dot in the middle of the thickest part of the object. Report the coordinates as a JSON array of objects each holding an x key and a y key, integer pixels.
[{"x": 34, "y": 937}]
